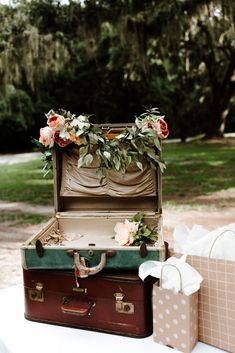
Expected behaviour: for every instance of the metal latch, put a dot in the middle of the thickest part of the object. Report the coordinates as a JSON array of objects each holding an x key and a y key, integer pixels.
[
  {"x": 36, "y": 294},
  {"x": 121, "y": 306}
]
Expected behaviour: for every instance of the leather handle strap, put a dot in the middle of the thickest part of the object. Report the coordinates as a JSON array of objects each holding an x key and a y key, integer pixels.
[
  {"x": 218, "y": 236},
  {"x": 80, "y": 268},
  {"x": 82, "y": 309}
]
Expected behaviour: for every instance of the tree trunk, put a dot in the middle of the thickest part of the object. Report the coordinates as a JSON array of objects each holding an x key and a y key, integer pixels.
[
  {"x": 216, "y": 122},
  {"x": 219, "y": 111}
]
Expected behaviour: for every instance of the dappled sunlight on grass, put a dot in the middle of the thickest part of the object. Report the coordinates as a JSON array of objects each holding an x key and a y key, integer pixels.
[
  {"x": 216, "y": 163},
  {"x": 197, "y": 169},
  {"x": 40, "y": 182}
]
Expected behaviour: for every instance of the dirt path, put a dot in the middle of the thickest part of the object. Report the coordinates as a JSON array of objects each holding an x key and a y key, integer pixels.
[{"x": 11, "y": 238}]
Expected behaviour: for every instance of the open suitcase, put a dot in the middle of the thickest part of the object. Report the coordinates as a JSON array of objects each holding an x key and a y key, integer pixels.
[
  {"x": 81, "y": 234},
  {"x": 117, "y": 303}
]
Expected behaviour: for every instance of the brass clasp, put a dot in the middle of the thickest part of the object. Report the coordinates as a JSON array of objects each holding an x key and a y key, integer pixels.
[
  {"x": 36, "y": 294},
  {"x": 121, "y": 306}
]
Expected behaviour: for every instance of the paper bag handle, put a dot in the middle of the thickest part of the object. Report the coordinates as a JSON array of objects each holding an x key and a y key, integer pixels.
[
  {"x": 180, "y": 277},
  {"x": 218, "y": 236}
]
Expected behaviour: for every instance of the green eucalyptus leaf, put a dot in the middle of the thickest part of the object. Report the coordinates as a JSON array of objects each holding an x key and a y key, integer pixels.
[
  {"x": 139, "y": 165},
  {"x": 83, "y": 151},
  {"x": 79, "y": 132},
  {"x": 88, "y": 159},
  {"x": 138, "y": 123},
  {"x": 162, "y": 166},
  {"x": 101, "y": 139},
  {"x": 83, "y": 140},
  {"x": 157, "y": 143},
  {"x": 107, "y": 155},
  {"x": 80, "y": 162},
  {"x": 134, "y": 144},
  {"x": 138, "y": 217},
  {"x": 93, "y": 138},
  {"x": 117, "y": 163}
]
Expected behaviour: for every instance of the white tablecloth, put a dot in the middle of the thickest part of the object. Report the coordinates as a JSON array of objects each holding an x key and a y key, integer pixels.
[{"x": 18, "y": 335}]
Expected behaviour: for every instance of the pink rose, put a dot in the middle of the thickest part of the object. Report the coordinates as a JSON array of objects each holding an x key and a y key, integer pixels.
[
  {"x": 55, "y": 121},
  {"x": 61, "y": 142},
  {"x": 46, "y": 136},
  {"x": 124, "y": 232},
  {"x": 164, "y": 132},
  {"x": 159, "y": 126}
]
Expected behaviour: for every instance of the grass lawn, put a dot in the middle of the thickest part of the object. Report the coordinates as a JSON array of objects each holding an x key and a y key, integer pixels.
[
  {"x": 193, "y": 169},
  {"x": 25, "y": 182},
  {"x": 197, "y": 169}
]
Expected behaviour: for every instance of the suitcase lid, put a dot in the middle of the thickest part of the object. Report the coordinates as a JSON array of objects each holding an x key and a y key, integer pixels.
[{"x": 80, "y": 189}]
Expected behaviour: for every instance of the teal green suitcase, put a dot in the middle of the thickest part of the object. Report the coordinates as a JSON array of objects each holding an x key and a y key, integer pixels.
[{"x": 81, "y": 234}]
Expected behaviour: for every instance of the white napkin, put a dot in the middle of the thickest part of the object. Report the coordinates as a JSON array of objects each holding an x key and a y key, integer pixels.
[
  {"x": 218, "y": 244},
  {"x": 191, "y": 279}
]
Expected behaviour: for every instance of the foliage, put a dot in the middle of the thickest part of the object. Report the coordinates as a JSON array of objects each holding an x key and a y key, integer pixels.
[
  {"x": 15, "y": 120},
  {"x": 143, "y": 234},
  {"x": 113, "y": 58},
  {"x": 130, "y": 147}
]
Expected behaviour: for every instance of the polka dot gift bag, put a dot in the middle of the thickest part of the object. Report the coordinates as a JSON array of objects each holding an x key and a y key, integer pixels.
[{"x": 175, "y": 316}]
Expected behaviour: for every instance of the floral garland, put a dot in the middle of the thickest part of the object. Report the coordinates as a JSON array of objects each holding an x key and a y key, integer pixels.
[
  {"x": 134, "y": 232},
  {"x": 130, "y": 146}
]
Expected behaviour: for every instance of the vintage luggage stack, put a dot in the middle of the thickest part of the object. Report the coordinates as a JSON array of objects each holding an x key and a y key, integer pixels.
[{"x": 75, "y": 273}]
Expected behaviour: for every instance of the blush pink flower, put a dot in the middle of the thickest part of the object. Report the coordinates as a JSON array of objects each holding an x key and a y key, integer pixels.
[
  {"x": 55, "y": 121},
  {"x": 125, "y": 232},
  {"x": 61, "y": 142},
  {"x": 46, "y": 136}
]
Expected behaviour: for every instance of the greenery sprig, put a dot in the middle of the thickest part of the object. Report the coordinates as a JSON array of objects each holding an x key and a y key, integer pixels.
[{"x": 135, "y": 232}]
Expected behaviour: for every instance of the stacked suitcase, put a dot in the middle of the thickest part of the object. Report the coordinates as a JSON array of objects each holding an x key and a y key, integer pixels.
[{"x": 75, "y": 273}]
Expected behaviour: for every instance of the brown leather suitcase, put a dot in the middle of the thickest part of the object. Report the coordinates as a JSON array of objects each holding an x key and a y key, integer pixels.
[{"x": 118, "y": 303}]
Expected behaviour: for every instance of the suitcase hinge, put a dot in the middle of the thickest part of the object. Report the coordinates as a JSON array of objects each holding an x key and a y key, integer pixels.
[
  {"x": 36, "y": 294},
  {"x": 121, "y": 306}
]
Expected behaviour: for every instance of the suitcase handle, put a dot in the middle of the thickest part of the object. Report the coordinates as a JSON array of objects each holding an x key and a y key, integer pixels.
[
  {"x": 77, "y": 310},
  {"x": 82, "y": 271}
]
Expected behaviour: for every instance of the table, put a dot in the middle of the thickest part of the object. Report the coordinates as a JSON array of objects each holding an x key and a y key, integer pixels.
[{"x": 22, "y": 336}]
